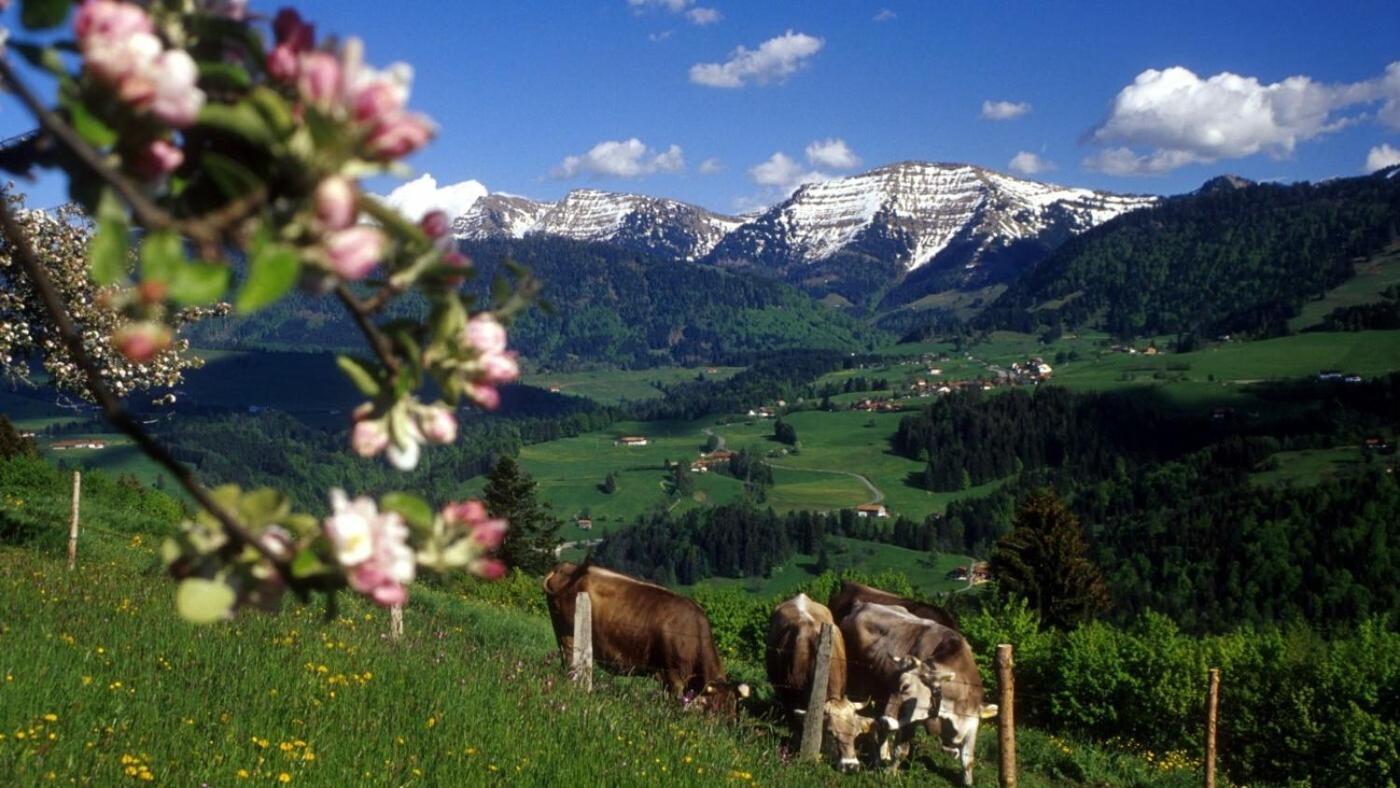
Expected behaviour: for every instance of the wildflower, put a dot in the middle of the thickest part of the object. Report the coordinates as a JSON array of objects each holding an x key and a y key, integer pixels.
[
  {"x": 51, "y": 717},
  {"x": 284, "y": 778}
]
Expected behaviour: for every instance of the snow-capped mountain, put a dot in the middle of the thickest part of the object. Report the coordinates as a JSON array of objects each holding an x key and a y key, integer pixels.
[
  {"x": 934, "y": 225},
  {"x": 910, "y": 212},
  {"x": 648, "y": 224}
]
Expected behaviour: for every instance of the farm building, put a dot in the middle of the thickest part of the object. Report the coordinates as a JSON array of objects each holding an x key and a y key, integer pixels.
[
  {"x": 585, "y": 524},
  {"x": 871, "y": 510},
  {"x": 632, "y": 440},
  {"x": 79, "y": 443}
]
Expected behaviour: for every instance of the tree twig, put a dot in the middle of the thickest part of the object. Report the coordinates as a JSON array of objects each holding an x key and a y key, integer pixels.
[
  {"x": 383, "y": 348},
  {"x": 23, "y": 254}
]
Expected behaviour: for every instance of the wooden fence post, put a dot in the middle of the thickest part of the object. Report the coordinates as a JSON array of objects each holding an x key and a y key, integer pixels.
[
  {"x": 1212, "y": 704},
  {"x": 814, "y": 721},
  {"x": 582, "y": 663},
  {"x": 396, "y": 622},
  {"x": 1006, "y": 716},
  {"x": 73, "y": 522}
]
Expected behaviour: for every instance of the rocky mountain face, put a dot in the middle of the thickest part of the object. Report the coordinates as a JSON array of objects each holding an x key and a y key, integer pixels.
[{"x": 899, "y": 231}]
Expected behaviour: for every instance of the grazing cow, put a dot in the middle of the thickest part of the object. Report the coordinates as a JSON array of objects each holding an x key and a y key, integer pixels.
[
  {"x": 791, "y": 658},
  {"x": 923, "y": 670},
  {"x": 639, "y": 627},
  {"x": 851, "y": 592}
]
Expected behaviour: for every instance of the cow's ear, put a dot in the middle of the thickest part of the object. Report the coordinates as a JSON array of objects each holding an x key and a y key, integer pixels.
[{"x": 744, "y": 691}]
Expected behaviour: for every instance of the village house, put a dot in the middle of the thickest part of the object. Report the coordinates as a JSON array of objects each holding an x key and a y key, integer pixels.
[
  {"x": 871, "y": 510},
  {"x": 79, "y": 443},
  {"x": 585, "y": 523},
  {"x": 631, "y": 440},
  {"x": 978, "y": 573}
]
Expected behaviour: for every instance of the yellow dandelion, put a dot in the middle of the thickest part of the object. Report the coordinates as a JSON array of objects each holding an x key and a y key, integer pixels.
[
  {"x": 241, "y": 774},
  {"x": 51, "y": 717},
  {"x": 284, "y": 778}
]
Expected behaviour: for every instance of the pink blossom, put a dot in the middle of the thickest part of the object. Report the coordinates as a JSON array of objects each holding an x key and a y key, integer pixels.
[
  {"x": 377, "y": 101},
  {"x": 176, "y": 101},
  {"x": 455, "y": 259},
  {"x": 335, "y": 202},
  {"x": 372, "y": 546},
  {"x": 485, "y": 396},
  {"x": 156, "y": 158},
  {"x": 293, "y": 31},
  {"x": 369, "y": 437},
  {"x": 500, "y": 368},
  {"x": 467, "y": 512},
  {"x": 319, "y": 78},
  {"x": 140, "y": 342},
  {"x": 489, "y": 568},
  {"x": 400, "y": 136},
  {"x": 282, "y": 63},
  {"x": 109, "y": 19},
  {"x": 354, "y": 251},
  {"x": 489, "y": 534},
  {"x": 485, "y": 334},
  {"x": 118, "y": 60},
  {"x": 435, "y": 224},
  {"x": 438, "y": 424}
]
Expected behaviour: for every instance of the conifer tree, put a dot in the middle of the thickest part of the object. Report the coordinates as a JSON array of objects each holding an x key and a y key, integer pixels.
[
  {"x": 1046, "y": 560},
  {"x": 534, "y": 530}
]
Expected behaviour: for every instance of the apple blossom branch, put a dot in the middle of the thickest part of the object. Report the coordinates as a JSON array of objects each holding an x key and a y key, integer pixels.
[{"x": 112, "y": 410}]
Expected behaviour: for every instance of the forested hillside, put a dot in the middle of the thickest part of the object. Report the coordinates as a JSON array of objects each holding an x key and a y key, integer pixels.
[
  {"x": 602, "y": 304},
  {"x": 1223, "y": 260}
]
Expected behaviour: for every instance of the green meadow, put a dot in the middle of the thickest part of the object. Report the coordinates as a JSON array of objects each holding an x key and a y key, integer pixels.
[{"x": 613, "y": 386}]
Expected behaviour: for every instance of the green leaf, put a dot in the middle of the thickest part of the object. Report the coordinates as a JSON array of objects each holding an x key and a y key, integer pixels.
[
  {"x": 273, "y": 109},
  {"x": 162, "y": 254},
  {"x": 413, "y": 509},
  {"x": 107, "y": 250},
  {"x": 90, "y": 127},
  {"x": 199, "y": 283},
  {"x": 204, "y": 601},
  {"x": 227, "y": 76},
  {"x": 43, "y": 14},
  {"x": 272, "y": 272},
  {"x": 241, "y": 119},
  {"x": 263, "y": 506},
  {"x": 307, "y": 563},
  {"x": 232, "y": 178},
  {"x": 360, "y": 373}
]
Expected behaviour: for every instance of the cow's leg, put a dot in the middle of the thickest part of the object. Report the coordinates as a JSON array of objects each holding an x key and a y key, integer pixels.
[{"x": 967, "y": 730}]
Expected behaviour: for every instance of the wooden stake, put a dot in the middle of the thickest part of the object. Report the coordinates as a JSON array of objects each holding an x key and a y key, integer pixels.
[
  {"x": 1212, "y": 705},
  {"x": 815, "y": 720},
  {"x": 1006, "y": 716},
  {"x": 73, "y": 522},
  {"x": 582, "y": 663},
  {"x": 396, "y": 622}
]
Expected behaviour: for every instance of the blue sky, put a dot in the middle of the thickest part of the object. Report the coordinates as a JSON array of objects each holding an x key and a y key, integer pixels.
[{"x": 517, "y": 88}]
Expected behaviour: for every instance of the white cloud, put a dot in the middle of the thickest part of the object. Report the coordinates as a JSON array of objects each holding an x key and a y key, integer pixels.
[
  {"x": 711, "y": 166},
  {"x": 629, "y": 158},
  {"x": 657, "y": 38},
  {"x": 1004, "y": 110},
  {"x": 784, "y": 173},
  {"x": 703, "y": 16},
  {"x": 419, "y": 196},
  {"x": 774, "y": 61},
  {"x": 885, "y": 15},
  {"x": 698, "y": 15},
  {"x": 833, "y": 153},
  {"x": 1028, "y": 163},
  {"x": 1382, "y": 156},
  {"x": 1183, "y": 119}
]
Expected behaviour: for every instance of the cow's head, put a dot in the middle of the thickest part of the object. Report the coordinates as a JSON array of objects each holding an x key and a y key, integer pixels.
[
  {"x": 845, "y": 724},
  {"x": 722, "y": 697},
  {"x": 916, "y": 692}
]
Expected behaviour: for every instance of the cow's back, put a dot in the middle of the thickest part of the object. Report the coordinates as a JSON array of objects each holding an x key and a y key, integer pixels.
[
  {"x": 850, "y": 593},
  {"x": 794, "y": 635}
]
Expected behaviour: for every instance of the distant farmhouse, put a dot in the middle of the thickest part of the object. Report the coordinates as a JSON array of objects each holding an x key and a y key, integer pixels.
[
  {"x": 872, "y": 510},
  {"x": 79, "y": 443},
  {"x": 631, "y": 440}
]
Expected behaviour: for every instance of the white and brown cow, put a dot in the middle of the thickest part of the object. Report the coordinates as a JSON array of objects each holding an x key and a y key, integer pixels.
[
  {"x": 919, "y": 671},
  {"x": 794, "y": 631},
  {"x": 639, "y": 627}
]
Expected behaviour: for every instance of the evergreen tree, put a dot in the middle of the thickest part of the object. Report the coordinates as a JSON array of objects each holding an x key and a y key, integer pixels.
[
  {"x": 534, "y": 530},
  {"x": 1046, "y": 560},
  {"x": 610, "y": 483},
  {"x": 785, "y": 432},
  {"x": 12, "y": 445}
]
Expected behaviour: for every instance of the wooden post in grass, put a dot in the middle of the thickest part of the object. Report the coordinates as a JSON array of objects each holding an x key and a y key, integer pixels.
[
  {"x": 73, "y": 522},
  {"x": 1006, "y": 716},
  {"x": 396, "y": 622},
  {"x": 1212, "y": 704},
  {"x": 815, "y": 720},
  {"x": 582, "y": 663}
]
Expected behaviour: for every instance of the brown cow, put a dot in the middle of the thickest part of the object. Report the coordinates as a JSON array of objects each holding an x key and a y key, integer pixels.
[
  {"x": 852, "y": 592},
  {"x": 793, "y": 634},
  {"x": 924, "y": 670},
  {"x": 639, "y": 627}
]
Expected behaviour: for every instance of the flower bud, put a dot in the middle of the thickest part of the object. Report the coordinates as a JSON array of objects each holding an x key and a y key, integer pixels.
[
  {"x": 176, "y": 101},
  {"x": 354, "y": 251},
  {"x": 489, "y": 534},
  {"x": 485, "y": 334},
  {"x": 335, "y": 202},
  {"x": 435, "y": 224},
  {"x": 438, "y": 424},
  {"x": 140, "y": 342},
  {"x": 500, "y": 368},
  {"x": 292, "y": 31},
  {"x": 488, "y": 568},
  {"x": 319, "y": 78},
  {"x": 467, "y": 513},
  {"x": 399, "y": 137},
  {"x": 369, "y": 437},
  {"x": 156, "y": 159},
  {"x": 486, "y": 397},
  {"x": 282, "y": 63}
]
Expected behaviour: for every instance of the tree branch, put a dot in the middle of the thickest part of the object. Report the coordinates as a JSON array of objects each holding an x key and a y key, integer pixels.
[
  {"x": 383, "y": 348},
  {"x": 23, "y": 254}
]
